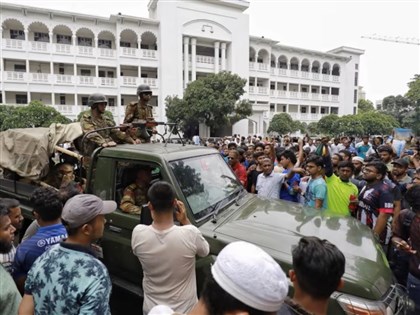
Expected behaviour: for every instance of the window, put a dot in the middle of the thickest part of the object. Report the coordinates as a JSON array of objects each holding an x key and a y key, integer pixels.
[
  {"x": 314, "y": 90},
  {"x": 63, "y": 39},
  {"x": 282, "y": 65},
  {"x": 17, "y": 34},
  {"x": 356, "y": 78},
  {"x": 334, "y": 110},
  {"x": 85, "y": 72},
  {"x": 41, "y": 37},
  {"x": 303, "y": 110},
  {"x": 313, "y": 110},
  {"x": 322, "y": 110},
  {"x": 143, "y": 75},
  {"x": 101, "y": 73},
  {"x": 143, "y": 46},
  {"x": 355, "y": 97},
  {"x": 84, "y": 41},
  {"x": 122, "y": 102},
  {"x": 335, "y": 91},
  {"x": 110, "y": 74},
  {"x": 356, "y": 66},
  {"x": 21, "y": 99},
  {"x": 125, "y": 44},
  {"x": 1, "y": 98},
  {"x": 284, "y": 108},
  {"x": 304, "y": 89},
  {"x": 272, "y": 106},
  {"x": 111, "y": 101},
  {"x": 62, "y": 100},
  {"x": 84, "y": 100},
  {"x": 61, "y": 70},
  {"x": 20, "y": 68},
  {"x": 104, "y": 43},
  {"x": 272, "y": 86}
]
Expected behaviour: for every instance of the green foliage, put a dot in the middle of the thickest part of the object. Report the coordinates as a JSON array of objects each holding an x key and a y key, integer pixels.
[
  {"x": 35, "y": 114},
  {"x": 348, "y": 125},
  {"x": 282, "y": 124},
  {"x": 313, "y": 128},
  {"x": 212, "y": 100},
  {"x": 365, "y": 106},
  {"x": 377, "y": 123},
  {"x": 397, "y": 106},
  {"x": 413, "y": 93},
  {"x": 325, "y": 124}
]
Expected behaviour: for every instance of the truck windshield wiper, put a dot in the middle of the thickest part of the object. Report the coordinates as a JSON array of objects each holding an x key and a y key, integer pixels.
[{"x": 219, "y": 205}]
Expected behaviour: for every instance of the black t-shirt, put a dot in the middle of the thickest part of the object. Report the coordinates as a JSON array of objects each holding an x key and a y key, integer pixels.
[{"x": 252, "y": 178}]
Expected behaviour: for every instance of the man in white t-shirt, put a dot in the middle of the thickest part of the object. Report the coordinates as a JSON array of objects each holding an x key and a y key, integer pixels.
[{"x": 167, "y": 252}]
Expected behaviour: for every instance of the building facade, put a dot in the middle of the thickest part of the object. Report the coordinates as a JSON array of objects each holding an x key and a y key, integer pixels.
[{"x": 61, "y": 57}]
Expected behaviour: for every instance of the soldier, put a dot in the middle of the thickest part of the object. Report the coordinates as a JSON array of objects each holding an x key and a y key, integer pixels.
[
  {"x": 95, "y": 119},
  {"x": 135, "y": 194},
  {"x": 141, "y": 111}
]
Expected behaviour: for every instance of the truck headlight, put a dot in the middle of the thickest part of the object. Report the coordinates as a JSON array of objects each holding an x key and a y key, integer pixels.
[{"x": 357, "y": 306}]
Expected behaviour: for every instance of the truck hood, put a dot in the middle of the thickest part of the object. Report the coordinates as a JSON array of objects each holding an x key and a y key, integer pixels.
[{"x": 276, "y": 226}]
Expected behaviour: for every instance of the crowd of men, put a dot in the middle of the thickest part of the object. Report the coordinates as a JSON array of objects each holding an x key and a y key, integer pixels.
[
  {"x": 56, "y": 270},
  {"x": 364, "y": 178}
]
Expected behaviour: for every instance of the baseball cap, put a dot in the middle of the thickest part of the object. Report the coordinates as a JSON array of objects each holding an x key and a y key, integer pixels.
[
  {"x": 402, "y": 162},
  {"x": 251, "y": 276},
  {"x": 82, "y": 208}
]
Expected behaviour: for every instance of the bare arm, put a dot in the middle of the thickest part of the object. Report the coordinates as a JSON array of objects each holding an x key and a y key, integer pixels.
[
  {"x": 380, "y": 223},
  {"x": 318, "y": 203},
  {"x": 27, "y": 306}
]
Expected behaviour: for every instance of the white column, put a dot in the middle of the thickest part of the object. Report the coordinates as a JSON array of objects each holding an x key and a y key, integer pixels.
[
  {"x": 74, "y": 39},
  {"x": 216, "y": 56},
  {"x": 193, "y": 59},
  {"x": 223, "y": 47},
  {"x": 186, "y": 65},
  {"x": 50, "y": 34},
  {"x": 53, "y": 99}
]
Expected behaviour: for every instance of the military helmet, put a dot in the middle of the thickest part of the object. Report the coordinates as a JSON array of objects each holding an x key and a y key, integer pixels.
[
  {"x": 96, "y": 98},
  {"x": 143, "y": 88}
]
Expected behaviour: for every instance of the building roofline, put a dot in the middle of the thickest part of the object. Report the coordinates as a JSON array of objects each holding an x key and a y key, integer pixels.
[
  {"x": 111, "y": 18},
  {"x": 311, "y": 52},
  {"x": 262, "y": 39},
  {"x": 347, "y": 49},
  {"x": 238, "y": 4}
]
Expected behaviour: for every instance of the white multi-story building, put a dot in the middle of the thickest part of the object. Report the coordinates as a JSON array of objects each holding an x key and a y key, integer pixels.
[{"x": 61, "y": 57}]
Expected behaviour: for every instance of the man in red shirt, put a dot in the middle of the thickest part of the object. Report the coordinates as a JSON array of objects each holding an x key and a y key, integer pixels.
[{"x": 237, "y": 167}]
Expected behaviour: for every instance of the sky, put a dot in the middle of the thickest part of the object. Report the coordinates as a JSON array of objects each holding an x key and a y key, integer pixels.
[{"x": 385, "y": 68}]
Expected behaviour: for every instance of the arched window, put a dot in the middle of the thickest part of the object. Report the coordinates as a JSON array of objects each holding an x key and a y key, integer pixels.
[
  {"x": 283, "y": 62},
  {"x": 148, "y": 41},
  {"x": 305, "y": 65},
  {"x": 336, "y": 70},
  {"x": 315, "y": 66},
  {"x": 294, "y": 64},
  {"x": 252, "y": 54},
  {"x": 85, "y": 37},
  {"x": 128, "y": 38},
  {"x": 13, "y": 29},
  {"x": 262, "y": 56},
  {"x": 62, "y": 34},
  {"x": 326, "y": 68},
  {"x": 38, "y": 32},
  {"x": 106, "y": 39}
]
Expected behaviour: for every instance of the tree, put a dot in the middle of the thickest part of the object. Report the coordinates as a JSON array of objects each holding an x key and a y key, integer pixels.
[
  {"x": 212, "y": 100},
  {"x": 35, "y": 114},
  {"x": 413, "y": 93},
  {"x": 379, "y": 123},
  {"x": 282, "y": 124},
  {"x": 365, "y": 106},
  {"x": 397, "y": 106},
  {"x": 348, "y": 125},
  {"x": 325, "y": 124}
]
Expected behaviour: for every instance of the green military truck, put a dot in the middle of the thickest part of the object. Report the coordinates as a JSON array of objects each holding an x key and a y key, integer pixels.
[{"x": 224, "y": 212}]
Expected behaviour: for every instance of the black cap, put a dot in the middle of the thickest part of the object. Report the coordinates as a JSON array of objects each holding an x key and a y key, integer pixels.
[{"x": 402, "y": 162}]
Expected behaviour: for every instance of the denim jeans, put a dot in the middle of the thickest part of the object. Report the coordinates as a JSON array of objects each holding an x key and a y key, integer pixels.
[{"x": 413, "y": 288}]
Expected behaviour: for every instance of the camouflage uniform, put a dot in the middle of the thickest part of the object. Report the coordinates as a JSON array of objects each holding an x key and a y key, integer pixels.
[
  {"x": 96, "y": 139},
  {"x": 135, "y": 112},
  {"x": 134, "y": 197}
]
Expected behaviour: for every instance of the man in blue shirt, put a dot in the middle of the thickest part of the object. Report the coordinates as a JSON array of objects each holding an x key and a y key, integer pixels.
[
  {"x": 316, "y": 192},
  {"x": 68, "y": 278},
  {"x": 47, "y": 211},
  {"x": 288, "y": 160}
]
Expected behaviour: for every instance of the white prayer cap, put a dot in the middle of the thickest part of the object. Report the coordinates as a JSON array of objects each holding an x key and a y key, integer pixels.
[
  {"x": 161, "y": 310},
  {"x": 358, "y": 158},
  {"x": 251, "y": 276}
]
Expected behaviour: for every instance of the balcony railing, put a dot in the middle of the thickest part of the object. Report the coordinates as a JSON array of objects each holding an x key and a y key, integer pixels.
[
  {"x": 306, "y": 116},
  {"x": 64, "y": 79},
  {"x": 334, "y": 98},
  {"x": 13, "y": 43},
  {"x": 148, "y": 53},
  {"x": 39, "y": 46},
  {"x": 63, "y": 48},
  {"x": 149, "y": 81},
  {"x": 259, "y": 66},
  {"x": 326, "y": 77},
  {"x": 128, "y": 51},
  {"x": 129, "y": 81},
  {"x": 107, "y": 81},
  {"x": 85, "y": 50},
  {"x": 105, "y": 52},
  {"x": 85, "y": 80},
  {"x": 15, "y": 76},
  {"x": 40, "y": 77}
]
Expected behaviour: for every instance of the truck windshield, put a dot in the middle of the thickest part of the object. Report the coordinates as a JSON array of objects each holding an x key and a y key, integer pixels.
[{"x": 206, "y": 182}]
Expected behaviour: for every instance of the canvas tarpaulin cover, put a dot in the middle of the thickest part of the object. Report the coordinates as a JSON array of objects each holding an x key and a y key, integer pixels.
[{"x": 27, "y": 151}]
